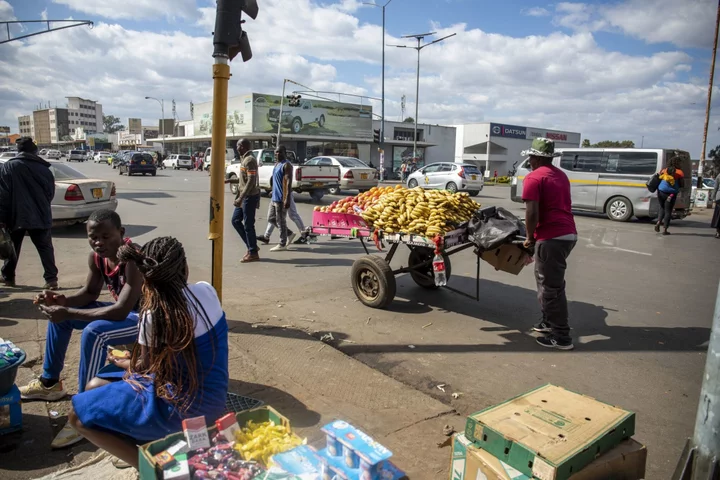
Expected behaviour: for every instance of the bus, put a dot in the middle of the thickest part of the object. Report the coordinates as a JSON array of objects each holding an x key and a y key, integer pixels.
[{"x": 612, "y": 180}]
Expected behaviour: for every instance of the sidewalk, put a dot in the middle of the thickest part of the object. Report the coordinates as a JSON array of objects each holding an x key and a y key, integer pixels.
[{"x": 306, "y": 380}]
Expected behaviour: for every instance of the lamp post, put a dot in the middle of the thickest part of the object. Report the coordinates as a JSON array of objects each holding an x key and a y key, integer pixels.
[
  {"x": 419, "y": 37},
  {"x": 162, "y": 120},
  {"x": 382, "y": 102}
]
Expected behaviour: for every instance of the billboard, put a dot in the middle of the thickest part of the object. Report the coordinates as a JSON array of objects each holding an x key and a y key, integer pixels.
[
  {"x": 166, "y": 126},
  {"x": 311, "y": 117},
  {"x": 134, "y": 125},
  {"x": 507, "y": 131},
  {"x": 239, "y": 117},
  {"x": 559, "y": 137},
  {"x": 4, "y": 129}
]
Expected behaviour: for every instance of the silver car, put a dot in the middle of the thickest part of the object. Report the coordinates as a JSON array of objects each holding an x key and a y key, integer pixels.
[
  {"x": 354, "y": 174},
  {"x": 454, "y": 177},
  {"x": 77, "y": 156}
]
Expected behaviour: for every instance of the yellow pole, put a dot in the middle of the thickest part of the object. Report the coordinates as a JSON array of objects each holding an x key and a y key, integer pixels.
[{"x": 221, "y": 76}]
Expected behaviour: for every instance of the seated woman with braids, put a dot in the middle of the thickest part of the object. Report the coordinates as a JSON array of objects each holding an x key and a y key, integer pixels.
[{"x": 178, "y": 370}]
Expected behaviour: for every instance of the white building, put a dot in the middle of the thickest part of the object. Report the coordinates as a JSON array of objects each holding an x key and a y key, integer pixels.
[
  {"x": 84, "y": 113},
  {"x": 496, "y": 146},
  {"x": 51, "y": 126}
]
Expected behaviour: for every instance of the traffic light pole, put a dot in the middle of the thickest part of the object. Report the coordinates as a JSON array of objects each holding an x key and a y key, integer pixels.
[
  {"x": 221, "y": 77},
  {"x": 282, "y": 100}
]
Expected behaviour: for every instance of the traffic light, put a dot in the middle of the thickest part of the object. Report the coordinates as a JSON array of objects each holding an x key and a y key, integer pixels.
[
  {"x": 229, "y": 39},
  {"x": 273, "y": 140},
  {"x": 376, "y": 135},
  {"x": 293, "y": 100}
]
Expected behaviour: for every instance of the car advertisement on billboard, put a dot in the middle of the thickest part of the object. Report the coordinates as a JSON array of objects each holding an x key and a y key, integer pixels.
[
  {"x": 311, "y": 117},
  {"x": 239, "y": 117}
]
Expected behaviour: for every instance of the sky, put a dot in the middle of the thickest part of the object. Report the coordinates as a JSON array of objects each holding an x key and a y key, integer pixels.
[{"x": 626, "y": 69}]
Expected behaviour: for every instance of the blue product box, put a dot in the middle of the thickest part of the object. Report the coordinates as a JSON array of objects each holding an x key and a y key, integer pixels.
[
  {"x": 334, "y": 468},
  {"x": 10, "y": 411},
  {"x": 301, "y": 460}
]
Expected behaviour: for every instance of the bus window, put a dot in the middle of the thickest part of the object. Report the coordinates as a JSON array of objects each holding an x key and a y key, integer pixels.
[
  {"x": 631, "y": 163},
  {"x": 581, "y": 161}
]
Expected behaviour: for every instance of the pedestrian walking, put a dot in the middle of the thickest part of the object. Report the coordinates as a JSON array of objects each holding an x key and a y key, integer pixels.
[
  {"x": 281, "y": 195},
  {"x": 716, "y": 212},
  {"x": 247, "y": 200},
  {"x": 293, "y": 238},
  {"x": 671, "y": 179},
  {"x": 27, "y": 187},
  {"x": 551, "y": 230},
  {"x": 403, "y": 171}
]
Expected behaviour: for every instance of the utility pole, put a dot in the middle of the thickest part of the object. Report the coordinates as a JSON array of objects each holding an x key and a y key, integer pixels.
[
  {"x": 709, "y": 98},
  {"x": 229, "y": 39},
  {"x": 382, "y": 107},
  {"x": 162, "y": 121},
  {"x": 419, "y": 37}
]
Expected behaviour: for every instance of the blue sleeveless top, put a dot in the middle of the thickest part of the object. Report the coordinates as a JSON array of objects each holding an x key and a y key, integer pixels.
[{"x": 277, "y": 179}]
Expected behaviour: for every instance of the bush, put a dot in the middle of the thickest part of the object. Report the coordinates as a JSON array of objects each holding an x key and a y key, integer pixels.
[{"x": 504, "y": 179}]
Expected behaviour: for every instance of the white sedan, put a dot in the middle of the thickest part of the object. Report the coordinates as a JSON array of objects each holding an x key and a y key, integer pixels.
[
  {"x": 176, "y": 162},
  {"x": 53, "y": 154},
  {"x": 76, "y": 196},
  {"x": 354, "y": 174}
]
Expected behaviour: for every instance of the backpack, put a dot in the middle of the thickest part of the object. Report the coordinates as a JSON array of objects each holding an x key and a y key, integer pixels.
[{"x": 653, "y": 183}]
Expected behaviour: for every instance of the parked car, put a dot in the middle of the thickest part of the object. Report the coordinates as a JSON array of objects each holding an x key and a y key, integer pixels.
[
  {"x": 207, "y": 158},
  {"x": 354, "y": 174},
  {"x": 178, "y": 161},
  {"x": 77, "y": 196},
  {"x": 455, "y": 177},
  {"x": 117, "y": 158},
  {"x": 138, "y": 163},
  {"x": 295, "y": 118},
  {"x": 53, "y": 154},
  {"x": 101, "y": 157},
  {"x": 43, "y": 152},
  {"x": 7, "y": 156},
  {"x": 77, "y": 156}
]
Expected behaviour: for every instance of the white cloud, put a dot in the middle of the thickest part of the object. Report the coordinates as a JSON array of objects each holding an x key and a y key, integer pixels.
[
  {"x": 44, "y": 14},
  {"x": 134, "y": 9},
  {"x": 564, "y": 81},
  {"x": 689, "y": 23},
  {"x": 536, "y": 12}
]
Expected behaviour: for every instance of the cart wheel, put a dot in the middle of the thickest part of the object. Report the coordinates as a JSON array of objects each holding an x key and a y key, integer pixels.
[
  {"x": 373, "y": 281},
  {"x": 420, "y": 255}
]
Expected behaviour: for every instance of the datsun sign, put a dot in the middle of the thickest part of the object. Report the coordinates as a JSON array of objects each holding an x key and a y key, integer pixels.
[{"x": 509, "y": 131}]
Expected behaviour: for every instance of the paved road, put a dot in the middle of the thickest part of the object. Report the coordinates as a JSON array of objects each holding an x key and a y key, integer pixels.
[{"x": 641, "y": 307}]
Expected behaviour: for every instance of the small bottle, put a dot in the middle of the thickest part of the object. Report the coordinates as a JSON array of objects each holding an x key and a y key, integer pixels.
[{"x": 439, "y": 270}]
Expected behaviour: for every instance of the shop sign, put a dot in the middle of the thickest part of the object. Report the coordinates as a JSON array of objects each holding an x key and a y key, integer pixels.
[{"x": 509, "y": 131}]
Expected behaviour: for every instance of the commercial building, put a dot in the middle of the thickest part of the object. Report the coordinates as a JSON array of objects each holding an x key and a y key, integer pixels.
[
  {"x": 497, "y": 147},
  {"x": 85, "y": 113},
  {"x": 54, "y": 126}
]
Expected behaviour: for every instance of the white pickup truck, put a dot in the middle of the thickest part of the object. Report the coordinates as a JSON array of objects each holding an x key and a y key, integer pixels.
[
  {"x": 313, "y": 179},
  {"x": 295, "y": 118}
]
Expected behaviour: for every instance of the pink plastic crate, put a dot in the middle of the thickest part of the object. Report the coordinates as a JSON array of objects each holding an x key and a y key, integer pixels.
[{"x": 338, "y": 220}]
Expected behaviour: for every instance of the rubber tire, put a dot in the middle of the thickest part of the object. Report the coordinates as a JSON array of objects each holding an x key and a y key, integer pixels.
[
  {"x": 317, "y": 195},
  {"x": 153, "y": 173},
  {"x": 412, "y": 183},
  {"x": 299, "y": 124},
  {"x": 233, "y": 186},
  {"x": 451, "y": 189},
  {"x": 419, "y": 255},
  {"x": 333, "y": 191},
  {"x": 629, "y": 212},
  {"x": 386, "y": 280},
  {"x": 321, "y": 121},
  {"x": 474, "y": 193}
]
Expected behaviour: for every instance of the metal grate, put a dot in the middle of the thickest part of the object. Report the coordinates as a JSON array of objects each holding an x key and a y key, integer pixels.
[{"x": 237, "y": 403}]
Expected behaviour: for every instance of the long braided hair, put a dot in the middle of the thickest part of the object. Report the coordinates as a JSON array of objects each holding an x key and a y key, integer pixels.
[{"x": 171, "y": 345}]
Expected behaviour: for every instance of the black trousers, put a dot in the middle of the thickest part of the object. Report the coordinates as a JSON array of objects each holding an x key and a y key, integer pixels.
[
  {"x": 42, "y": 239},
  {"x": 550, "y": 265},
  {"x": 667, "y": 205}
]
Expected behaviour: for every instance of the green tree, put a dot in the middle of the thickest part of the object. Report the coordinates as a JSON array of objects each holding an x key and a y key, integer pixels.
[
  {"x": 712, "y": 164},
  {"x": 111, "y": 124},
  {"x": 586, "y": 143},
  {"x": 610, "y": 144},
  {"x": 409, "y": 120}
]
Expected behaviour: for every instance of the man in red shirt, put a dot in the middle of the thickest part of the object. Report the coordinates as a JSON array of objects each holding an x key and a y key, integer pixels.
[{"x": 551, "y": 230}]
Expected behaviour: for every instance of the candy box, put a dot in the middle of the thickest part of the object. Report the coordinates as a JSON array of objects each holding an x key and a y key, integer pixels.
[
  {"x": 179, "y": 471},
  {"x": 196, "y": 433}
]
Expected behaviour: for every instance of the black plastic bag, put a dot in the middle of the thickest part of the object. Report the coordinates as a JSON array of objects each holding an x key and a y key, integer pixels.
[
  {"x": 653, "y": 183},
  {"x": 491, "y": 227},
  {"x": 7, "y": 248}
]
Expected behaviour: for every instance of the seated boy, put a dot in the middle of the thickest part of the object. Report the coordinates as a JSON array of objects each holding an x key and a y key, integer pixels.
[{"x": 102, "y": 323}]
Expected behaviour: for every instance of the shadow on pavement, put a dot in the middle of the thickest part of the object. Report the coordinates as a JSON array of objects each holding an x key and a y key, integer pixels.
[
  {"x": 311, "y": 262},
  {"x": 21, "y": 308},
  {"x": 300, "y": 416},
  {"x": 141, "y": 197},
  {"x": 79, "y": 231}
]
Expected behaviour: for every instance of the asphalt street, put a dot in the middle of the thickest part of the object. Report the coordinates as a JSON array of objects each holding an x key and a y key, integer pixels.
[{"x": 641, "y": 306}]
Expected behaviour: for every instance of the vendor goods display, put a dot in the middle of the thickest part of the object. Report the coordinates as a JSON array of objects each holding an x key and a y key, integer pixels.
[{"x": 258, "y": 442}]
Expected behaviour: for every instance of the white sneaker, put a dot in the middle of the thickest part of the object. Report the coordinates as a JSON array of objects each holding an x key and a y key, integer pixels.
[
  {"x": 37, "y": 391},
  {"x": 292, "y": 238},
  {"x": 66, "y": 437},
  {"x": 279, "y": 248}
]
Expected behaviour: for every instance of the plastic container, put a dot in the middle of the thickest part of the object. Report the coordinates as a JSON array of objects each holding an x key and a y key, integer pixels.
[{"x": 9, "y": 372}]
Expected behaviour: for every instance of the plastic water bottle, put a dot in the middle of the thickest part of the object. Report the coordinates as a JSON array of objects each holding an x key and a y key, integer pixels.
[{"x": 439, "y": 270}]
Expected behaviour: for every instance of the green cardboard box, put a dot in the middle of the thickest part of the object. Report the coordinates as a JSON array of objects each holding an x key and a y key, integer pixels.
[
  {"x": 149, "y": 470},
  {"x": 550, "y": 432}
]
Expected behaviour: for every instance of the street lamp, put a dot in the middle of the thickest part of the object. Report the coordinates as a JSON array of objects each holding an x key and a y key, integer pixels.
[
  {"x": 419, "y": 37},
  {"x": 382, "y": 113},
  {"x": 162, "y": 121}
]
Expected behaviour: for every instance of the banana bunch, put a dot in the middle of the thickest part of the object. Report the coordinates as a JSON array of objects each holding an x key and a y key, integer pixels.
[{"x": 419, "y": 211}]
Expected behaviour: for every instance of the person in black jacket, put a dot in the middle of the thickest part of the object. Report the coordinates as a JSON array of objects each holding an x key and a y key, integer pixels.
[{"x": 27, "y": 187}]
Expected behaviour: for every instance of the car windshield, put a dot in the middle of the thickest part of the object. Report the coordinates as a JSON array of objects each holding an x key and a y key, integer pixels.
[
  {"x": 471, "y": 169},
  {"x": 76, "y": 152},
  {"x": 350, "y": 162},
  {"x": 63, "y": 172},
  {"x": 709, "y": 182}
]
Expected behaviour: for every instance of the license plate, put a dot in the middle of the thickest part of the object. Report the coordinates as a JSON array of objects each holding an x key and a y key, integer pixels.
[
  {"x": 97, "y": 192},
  {"x": 142, "y": 163},
  {"x": 363, "y": 176},
  {"x": 474, "y": 177},
  {"x": 317, "y": 184}
]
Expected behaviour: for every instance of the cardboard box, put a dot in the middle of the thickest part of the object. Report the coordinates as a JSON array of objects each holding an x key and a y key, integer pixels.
[
  {"x": 624, "y": 462},
  {"x": 508, "y": 258},
  {"x": 147, "y": 467},
  {"x": 549, "y": 432}
]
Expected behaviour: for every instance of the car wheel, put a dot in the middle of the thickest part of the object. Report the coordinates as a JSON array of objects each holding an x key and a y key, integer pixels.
[
  {"x": 451, "y": 187},
  {"x": 233, "y": 186},
  {"x": 296, "y": 125},
  {"x": 619, "y": 209},
  {"x": 373, "y": 281},
  {"x": 334, "y": 191},
  {"x": 412, "y": 183},
  {"x": 317, "y": 195},
  {"x": 321, "y": 121},
  {"x": 474, "y": 193},
  {"x": 153, "y": 173}
]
